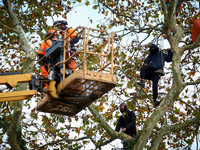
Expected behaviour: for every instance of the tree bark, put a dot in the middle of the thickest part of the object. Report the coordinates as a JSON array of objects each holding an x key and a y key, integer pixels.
[
  {"x": 172, "y": 128},
  {"x": 14, "y": 128},
  {"x": 109, "y": 130},
  {"x": 177, "y": 85}
]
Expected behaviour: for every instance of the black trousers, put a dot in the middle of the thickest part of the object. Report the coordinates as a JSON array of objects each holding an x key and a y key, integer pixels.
[{"x": 149, "y": 73}]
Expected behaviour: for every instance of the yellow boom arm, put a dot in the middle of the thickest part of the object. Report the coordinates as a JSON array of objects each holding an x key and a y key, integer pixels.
[{"x": 11, "y": 81}]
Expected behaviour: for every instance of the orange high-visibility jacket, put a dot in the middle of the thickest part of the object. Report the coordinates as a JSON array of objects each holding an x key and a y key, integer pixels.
[
  {"x": 44, "y": 46},
  {"x": 71, "y": 64},
  {"x": 70, "y": 30},
  {"x": 42, "y": 50}
]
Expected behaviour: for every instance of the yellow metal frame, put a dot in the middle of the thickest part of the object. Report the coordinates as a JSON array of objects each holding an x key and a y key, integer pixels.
[
  {"x": 85, "y": 51},
  {"x": 83, "y": 83},
  {"x": 16, "y": 96},
  {"x": 11, "y": 81}
]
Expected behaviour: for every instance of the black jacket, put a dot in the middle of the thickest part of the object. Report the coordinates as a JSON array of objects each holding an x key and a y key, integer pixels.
[
  {"x": 157, "y": 61},
  {"x": 129, "y": 122}
]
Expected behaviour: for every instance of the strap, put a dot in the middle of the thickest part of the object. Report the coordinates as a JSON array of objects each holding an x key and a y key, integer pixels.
[{"x": 162, "y": 58}]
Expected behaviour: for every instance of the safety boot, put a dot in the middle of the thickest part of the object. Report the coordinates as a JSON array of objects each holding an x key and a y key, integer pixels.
[
  {"x": 141, "y": 83},
  {"x": 156, "y": 103}
]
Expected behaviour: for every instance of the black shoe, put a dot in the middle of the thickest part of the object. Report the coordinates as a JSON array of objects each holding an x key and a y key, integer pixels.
[
  {"x": 141, "y": 83},
  {"x": 156, "y": 103}
]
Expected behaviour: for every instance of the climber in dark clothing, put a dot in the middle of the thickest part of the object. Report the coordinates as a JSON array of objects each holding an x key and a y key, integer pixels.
[
  {"x": 152, "y": 68},
  {"x": 126, "y": 122}
]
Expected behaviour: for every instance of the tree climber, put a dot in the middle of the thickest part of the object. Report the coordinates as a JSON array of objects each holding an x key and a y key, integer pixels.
[
  {"x": 61, "y": 23},
  {"x": 152, "y": 69},
  {"x": 126, "y": 122},
  {"x": 42, "y": 52}
]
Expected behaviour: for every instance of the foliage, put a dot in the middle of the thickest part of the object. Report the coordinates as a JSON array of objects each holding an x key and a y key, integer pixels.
[{"x": 174, "y": 123}]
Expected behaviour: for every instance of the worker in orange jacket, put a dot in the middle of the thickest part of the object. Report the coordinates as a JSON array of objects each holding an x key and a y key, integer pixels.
[
  {"x": 42, "y": 52},
  {"x": 61, "y": 23}
]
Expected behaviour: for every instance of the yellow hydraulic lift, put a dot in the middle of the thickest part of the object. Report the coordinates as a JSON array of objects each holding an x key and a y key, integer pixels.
[
  {"x": 69, "y": 94},
  {"x": 10, "y": 81}
]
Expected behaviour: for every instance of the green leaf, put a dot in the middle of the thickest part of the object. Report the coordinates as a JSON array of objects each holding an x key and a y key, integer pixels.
[{"x": 87, "y": 3}]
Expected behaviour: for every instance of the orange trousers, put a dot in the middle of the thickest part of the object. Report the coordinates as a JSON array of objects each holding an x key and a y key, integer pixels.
[
  {"x": 71, "y": 65},
  {"x": 44, "y": 74}
]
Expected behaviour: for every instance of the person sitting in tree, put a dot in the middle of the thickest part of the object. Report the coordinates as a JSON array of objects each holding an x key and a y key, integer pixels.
[{"x": 126, "y": 122}]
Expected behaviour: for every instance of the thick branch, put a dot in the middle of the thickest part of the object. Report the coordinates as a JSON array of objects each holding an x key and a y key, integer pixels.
[
  {"x": 192, "y": 46},
  {"x": 172, "y": 128},
  {"x": 14, "y": 127},
  {"x": 171, "y": 12},
  {"x": 164, "y": 7},
  {"x": 19, "y": 30},
  {"x": 169, "y": 20},
  {"x": 168, "y": 14},
  {"x": 108, "y": 129},
  {"x": 164, "y": 106}
]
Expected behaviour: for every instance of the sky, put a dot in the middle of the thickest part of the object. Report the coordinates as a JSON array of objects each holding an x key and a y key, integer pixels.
[{"x": 80, "y": 16}]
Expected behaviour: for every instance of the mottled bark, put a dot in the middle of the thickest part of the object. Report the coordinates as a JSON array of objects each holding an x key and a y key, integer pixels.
[
  {"x": 109, "y": 130},
  {"x": 172, "y": 128},
  {"x": 14, "y": 128},
  {"x": 174, "y": 35}
]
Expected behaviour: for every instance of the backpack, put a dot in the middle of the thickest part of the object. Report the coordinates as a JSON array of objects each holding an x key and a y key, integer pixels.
[{"x": 195, "y": 29}]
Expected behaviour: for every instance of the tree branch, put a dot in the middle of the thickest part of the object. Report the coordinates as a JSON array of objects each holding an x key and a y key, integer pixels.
[
  {"x": 114, "y": 12},
  {"x": 171, "y": 12},
  {"x": 164, "y": 106},
  {"x": 192, "y": 46},
  {"x": 192, "y": 83},
  {"x": 98, "y": 145},
  {"x": 40, "y": 10},
  {"x": 14, "y": 127},
  {"x": 172, "y": 128},
  {"x": 7, "y": 27},
  {"x": 62, "y": 140},
  {"x": 114, "y": 135},
  {"x": 164, "y": 7},
  {"x": 186, "y": 104},
  {"x": 19, "y": 30}
]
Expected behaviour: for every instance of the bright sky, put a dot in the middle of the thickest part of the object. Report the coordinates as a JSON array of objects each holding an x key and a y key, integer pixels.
[{"x": 80, "y": 16}]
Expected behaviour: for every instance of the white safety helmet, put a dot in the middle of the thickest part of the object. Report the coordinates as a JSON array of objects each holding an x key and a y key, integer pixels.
[{"x": 60, "y": 20}]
